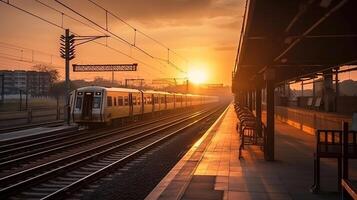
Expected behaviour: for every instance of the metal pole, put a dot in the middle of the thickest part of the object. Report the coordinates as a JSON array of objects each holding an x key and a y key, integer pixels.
[
  {"x": 20, "y": 100},
  {"x": 67, "y": 58},
  {"x": 2, "y": 88},
  {"x": 345, "y": 150},
  {"x": 258, "y": 109},
  {"x": 302, "y": 88},
  {"x": 187, "y": 86},
  {"x": 337, "y": 90},
  {"x": 112, "y": 76},
  {"x": 26, "y": 100},
  {"x": 27, "y": 89},
  {"x": 269, "y": 150},
  {"x": 313, "y": 88}
]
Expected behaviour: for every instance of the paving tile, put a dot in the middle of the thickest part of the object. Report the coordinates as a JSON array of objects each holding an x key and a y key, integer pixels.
[
  {"x": 221, "y": 175},
  {"x": 231, "y": 195}
]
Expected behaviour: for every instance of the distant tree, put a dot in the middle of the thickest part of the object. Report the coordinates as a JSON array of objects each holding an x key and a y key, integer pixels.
[
  {"x": 54, "y": 74},
  {"x": 99, "y": 81},
  {"x": 59, "y": 88}
]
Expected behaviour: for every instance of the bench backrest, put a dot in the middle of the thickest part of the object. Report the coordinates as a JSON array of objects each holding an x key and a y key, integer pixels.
[
  {"x": 352, "y": 144},
  {"x": 354, "y": 122},
  {"x": 329, "y": 143}
]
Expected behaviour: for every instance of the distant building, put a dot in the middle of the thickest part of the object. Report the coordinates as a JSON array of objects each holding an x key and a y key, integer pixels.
[{"x": 35, "y": 83}]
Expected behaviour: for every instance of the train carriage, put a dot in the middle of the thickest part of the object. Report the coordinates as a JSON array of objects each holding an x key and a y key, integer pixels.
[{"x": 94, "y": 104}]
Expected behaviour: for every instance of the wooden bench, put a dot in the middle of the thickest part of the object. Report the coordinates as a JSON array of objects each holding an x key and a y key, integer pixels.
[
  {"x": 338, "y": 144},
  {"x": 247, "y": 128}
]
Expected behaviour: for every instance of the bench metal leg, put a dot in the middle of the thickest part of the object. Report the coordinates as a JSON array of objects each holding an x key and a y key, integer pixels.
[
  {"x": 316, "y": 187},
  {"x": 339, "y": 174}
]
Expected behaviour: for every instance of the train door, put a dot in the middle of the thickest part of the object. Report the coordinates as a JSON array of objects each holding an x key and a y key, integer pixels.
[
  {"x": 131, "y": 108},
  {"x": 87, "y": 105}
]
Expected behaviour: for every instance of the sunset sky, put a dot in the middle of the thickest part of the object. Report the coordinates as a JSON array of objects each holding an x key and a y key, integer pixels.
[{"x": 204, "y": 32}]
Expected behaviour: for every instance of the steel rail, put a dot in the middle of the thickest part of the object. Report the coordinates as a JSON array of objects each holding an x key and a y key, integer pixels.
[
  {"x": 111, "y": 167},
  {"x": 73, "y": 141},
  {"x": 89, "y": 153}
]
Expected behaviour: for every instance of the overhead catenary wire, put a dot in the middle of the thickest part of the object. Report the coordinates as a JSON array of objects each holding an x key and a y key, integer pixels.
[
  {"x": 136, "y": 29},
  {"x": 61, "y": 27},
  {"x": 115, "y": 35},
  {"x": 101, "y": 31},
  {"x": 47, "y": 21}
]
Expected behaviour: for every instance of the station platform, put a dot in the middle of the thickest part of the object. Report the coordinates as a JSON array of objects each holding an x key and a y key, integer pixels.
[
  {"x": 211, "y": 168},
  {"x": 31, "y": 132}
]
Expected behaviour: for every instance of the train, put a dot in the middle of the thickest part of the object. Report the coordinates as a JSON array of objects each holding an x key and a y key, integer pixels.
[{"x": 102, "y": 105}]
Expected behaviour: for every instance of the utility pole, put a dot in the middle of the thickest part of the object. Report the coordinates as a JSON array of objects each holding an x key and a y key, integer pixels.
[
  {"x": 2, "y": 88},
  {"x": 187, "y": 86},
  {"x": 67, "y": 53},
  {"x": 20, "y": 100}
]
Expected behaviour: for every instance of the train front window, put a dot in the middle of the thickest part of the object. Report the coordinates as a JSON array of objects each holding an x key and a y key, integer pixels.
[
  {"x": 79, "y": 103},
  {"x": 96, "y": 102}
]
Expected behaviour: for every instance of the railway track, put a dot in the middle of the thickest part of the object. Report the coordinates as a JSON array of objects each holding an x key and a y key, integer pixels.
[
  {"x": 54, "y": 179},
  {"x": 22, "y": 151},
  {"x": 27, "y": 126}
]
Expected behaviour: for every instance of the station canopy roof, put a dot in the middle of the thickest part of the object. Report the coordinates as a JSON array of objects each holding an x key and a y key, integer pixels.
[{"x": 296, "y": 38}]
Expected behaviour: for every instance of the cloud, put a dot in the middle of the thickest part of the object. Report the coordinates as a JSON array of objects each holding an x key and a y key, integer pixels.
[
  {"x": 235, "y": 24},
  {"x": 226, "y": 48},
  {"x": 172, "y": 12}
]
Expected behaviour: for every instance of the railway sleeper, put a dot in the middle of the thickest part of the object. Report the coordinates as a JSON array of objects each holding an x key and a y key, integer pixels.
[
  {"x": 34, "y": 194},
  {"x": 44, "y": 189},
  {"x": 94, "y": 166},
  {"x": 88, "y": 169},
  {"x": 62, "y": 178},
  {"x": 83, "y": 173},
  {"x": 78, "y": 176},
  {"x": 58, "y": 182}
]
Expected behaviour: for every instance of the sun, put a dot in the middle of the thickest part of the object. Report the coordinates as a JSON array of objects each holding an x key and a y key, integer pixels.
[{"x": 197, "y": 76}]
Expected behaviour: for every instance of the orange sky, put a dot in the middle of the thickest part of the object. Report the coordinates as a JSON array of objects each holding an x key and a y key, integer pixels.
[{"x": 205, "y": 32}]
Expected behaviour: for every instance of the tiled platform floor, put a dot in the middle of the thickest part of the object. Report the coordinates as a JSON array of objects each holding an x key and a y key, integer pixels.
[{"x": 212, "y": 170}]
